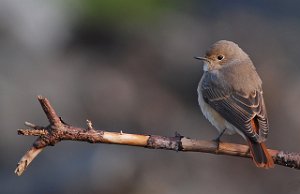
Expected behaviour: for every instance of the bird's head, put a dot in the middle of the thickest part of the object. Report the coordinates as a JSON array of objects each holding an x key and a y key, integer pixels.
[{"x": 222, "y": 53}]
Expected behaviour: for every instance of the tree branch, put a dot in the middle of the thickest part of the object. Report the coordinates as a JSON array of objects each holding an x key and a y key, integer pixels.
[{"x": 58, "y": 131}]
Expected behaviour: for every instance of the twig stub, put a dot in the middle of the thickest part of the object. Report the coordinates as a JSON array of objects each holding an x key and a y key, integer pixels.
[{"x": 49, "y": 111}]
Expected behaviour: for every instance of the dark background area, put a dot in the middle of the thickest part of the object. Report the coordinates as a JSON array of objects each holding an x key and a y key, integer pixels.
[{"x": 128, "y": 65}]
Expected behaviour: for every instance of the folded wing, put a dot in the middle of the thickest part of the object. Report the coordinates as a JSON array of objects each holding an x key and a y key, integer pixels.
[{"x": 245, "y": 112}]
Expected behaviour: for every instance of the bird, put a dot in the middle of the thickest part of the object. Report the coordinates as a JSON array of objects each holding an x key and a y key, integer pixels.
[{"x": 230, "y": 96}]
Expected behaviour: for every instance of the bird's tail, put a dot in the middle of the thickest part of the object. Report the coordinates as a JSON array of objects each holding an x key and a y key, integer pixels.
[{"x": 260, "y": 155}]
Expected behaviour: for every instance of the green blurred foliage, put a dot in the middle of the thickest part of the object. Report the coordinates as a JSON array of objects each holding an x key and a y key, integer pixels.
[{"x": 120, "y": 11}]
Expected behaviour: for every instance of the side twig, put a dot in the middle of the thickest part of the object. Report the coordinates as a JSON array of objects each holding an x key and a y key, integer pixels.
[{"x": 58, "y": 131}]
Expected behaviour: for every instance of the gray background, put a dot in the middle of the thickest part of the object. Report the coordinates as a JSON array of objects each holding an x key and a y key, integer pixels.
[{"x": 128, "y": 65}]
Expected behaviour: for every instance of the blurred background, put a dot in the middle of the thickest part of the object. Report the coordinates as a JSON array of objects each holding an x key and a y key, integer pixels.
[{"x": 128, "y": 65}]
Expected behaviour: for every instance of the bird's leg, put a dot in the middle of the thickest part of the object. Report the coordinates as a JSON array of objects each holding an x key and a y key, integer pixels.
[
  {"x": 218, "y": 139},
  {"x": 220, "y": 135}
]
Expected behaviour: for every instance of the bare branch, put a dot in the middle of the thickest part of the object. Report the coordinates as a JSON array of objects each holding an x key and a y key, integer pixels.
[
  {"x": 58, "y": 131},
  {"x": 27, "y": 159}
]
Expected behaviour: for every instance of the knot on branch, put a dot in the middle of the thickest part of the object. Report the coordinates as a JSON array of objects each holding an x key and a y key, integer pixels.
[
  {"x": 169, "y": 143},
  {"x": 46, "y": 140},
  {"x": 288, "y": 159}
]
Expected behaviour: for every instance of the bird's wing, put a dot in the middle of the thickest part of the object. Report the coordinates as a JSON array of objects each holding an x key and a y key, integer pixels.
[{"x": 245, "y": 112}]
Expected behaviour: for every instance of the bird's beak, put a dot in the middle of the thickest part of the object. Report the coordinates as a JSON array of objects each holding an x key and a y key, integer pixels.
[
  {"x": 206, "y": 62},
  {"x": 202, "y": 59}
]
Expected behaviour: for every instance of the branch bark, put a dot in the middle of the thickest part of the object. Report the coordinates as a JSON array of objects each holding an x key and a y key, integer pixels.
[{"x": 58, "y": 131}]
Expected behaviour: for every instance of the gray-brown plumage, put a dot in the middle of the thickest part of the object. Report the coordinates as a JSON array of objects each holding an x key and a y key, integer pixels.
[{"x": 231, "y": 97}]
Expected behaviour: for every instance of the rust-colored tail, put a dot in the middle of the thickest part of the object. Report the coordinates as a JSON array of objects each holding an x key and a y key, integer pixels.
[{"x": 260, "y": 155}]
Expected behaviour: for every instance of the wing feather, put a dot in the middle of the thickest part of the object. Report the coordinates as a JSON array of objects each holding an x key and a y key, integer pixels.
[{"x": 239, "y": 109}]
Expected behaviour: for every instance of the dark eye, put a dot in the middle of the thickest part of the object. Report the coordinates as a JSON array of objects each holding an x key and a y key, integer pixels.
[{"x": 220, "y": 57}]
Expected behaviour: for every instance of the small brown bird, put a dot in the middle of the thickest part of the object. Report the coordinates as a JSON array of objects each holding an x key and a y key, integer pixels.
[{"x": 231, "y": 98}]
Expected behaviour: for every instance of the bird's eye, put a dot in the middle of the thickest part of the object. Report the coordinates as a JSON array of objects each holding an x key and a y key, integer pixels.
[{"x": 220, "y": 57}]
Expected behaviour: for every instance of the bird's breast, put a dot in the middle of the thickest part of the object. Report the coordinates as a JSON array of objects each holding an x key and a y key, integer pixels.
[{"x": 213, "y": 116}]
